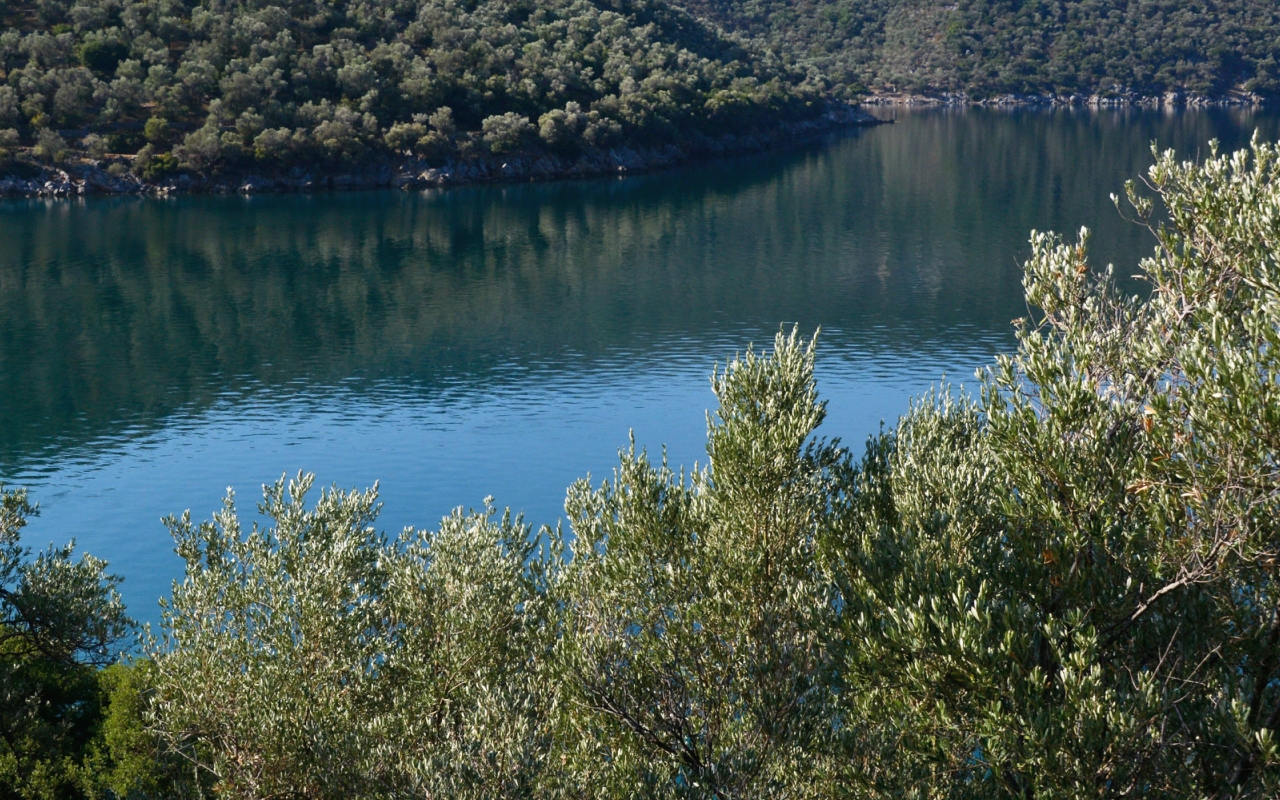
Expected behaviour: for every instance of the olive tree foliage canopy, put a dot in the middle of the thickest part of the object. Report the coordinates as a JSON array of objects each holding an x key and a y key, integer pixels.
[
  {"x": 1065, "y": 586},
  {"x": 317, "y": 657},
  {"x": 678, "y": 649},
  {"x": 693, "y": 610},
  {"x": 1069, "y": 587}
]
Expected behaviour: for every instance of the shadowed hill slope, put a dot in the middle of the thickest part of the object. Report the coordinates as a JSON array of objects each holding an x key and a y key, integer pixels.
[{"x": 986, "y": 47}]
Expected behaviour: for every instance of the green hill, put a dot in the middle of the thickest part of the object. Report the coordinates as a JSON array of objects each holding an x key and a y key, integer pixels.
[
  {"x": 213, "y": 84},
  {"x": 1205, "y": 48}
]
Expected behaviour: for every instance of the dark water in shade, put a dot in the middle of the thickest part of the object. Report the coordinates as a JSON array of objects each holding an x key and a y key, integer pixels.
[{"x": 503, "y": 340}]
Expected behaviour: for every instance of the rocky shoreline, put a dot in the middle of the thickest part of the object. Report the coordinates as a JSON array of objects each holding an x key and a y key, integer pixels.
[
  {"x": 89, "y": 178},
  {"x": 1119, "y": 99}
]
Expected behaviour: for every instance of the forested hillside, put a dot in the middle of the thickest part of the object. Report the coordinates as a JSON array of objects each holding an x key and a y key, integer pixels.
[
  {"x": 986, "y": 47},
  {"x": 204, "y": 84}
]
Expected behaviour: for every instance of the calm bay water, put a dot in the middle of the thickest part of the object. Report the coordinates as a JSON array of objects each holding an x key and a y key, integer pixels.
[{"x": 503, "y": 340}]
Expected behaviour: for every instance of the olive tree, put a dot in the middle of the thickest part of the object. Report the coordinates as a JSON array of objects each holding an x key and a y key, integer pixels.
[
  {"x": 1069, "y": 586},
  {"x": 506, "y": 132},
  {"x": 691, "y": 649},
  {"x": 472, "y": 690},
  {"x": 317, "y": 657},
  {"x": 9, "y": 142}
]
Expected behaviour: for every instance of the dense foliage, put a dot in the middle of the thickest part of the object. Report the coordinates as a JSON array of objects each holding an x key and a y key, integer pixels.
[
  {"x": 63, "y": 730},
  {"x": 205, "y": 85},
  {"x": 317, "y": 657},
  {"x": 1067, "y": 586},
  {"x": 986, "y": 47},
  {"x": 1070, "y": 586}
]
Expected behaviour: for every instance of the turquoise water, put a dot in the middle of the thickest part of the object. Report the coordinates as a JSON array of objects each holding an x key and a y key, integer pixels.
[{"x": 503, "y": 340}]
